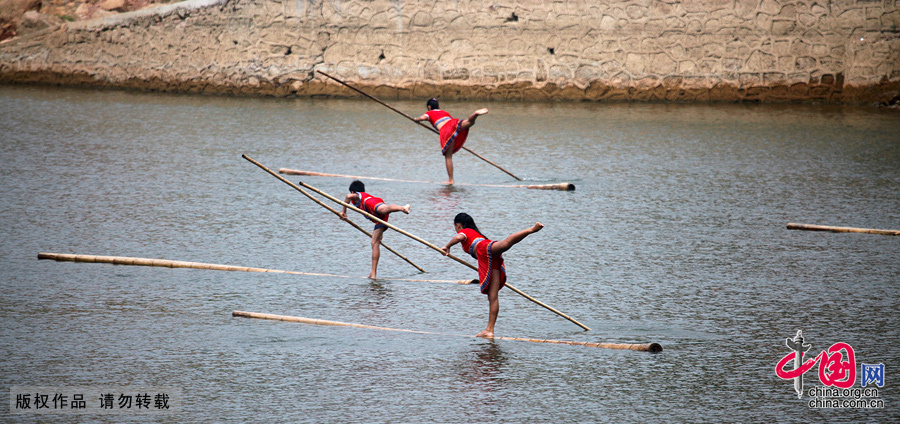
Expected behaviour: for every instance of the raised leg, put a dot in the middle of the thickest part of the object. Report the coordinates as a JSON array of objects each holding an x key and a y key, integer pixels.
[
  {"x": 468, "y": 122},
  {"x": 385, "y": 209},
  {"x": 505, "y": 244}
]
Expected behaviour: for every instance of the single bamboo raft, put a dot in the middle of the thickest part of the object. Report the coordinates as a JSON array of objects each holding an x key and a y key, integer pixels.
[
  {"x": 559, "y": 186},
  {"x": 124, "y": 260},
  {"x": 810, "y": 227},
  {"x": 646, "y": 347}
]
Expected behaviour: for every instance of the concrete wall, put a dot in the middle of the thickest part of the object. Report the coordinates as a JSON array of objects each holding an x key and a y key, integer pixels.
[{"x": 690, "y": 50}]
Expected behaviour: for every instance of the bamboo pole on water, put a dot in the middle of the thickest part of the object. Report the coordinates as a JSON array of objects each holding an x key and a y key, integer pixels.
[
  {"x": 811, "y": 227},
  {"x": 413, "y": 120},
  {"x": 438, "y": 249},
  {"x": 264, "y": 168},
  {"x": 558, "y": 186},
  {"x": 165, "y": 263},
  {"x": 646, "y": 347}
]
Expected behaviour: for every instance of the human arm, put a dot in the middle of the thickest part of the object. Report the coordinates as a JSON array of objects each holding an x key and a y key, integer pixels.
[
  {"x": 350, "y": 198},
  {"x": 456, "y": 239},
  {"x": 424, "y": 117}
]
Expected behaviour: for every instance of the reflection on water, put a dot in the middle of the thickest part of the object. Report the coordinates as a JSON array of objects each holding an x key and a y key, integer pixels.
[
  {"x": 481, "y": 372},
  {"x": 485, "y": 367},
  {"x": 675, "y": 234},
  {"x": 444, "y": 198}
]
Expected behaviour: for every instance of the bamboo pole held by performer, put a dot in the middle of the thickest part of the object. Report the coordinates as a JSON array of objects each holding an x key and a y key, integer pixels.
[
  {"x": 411, "y": 119},
  {"x": 264, "y": 168}
]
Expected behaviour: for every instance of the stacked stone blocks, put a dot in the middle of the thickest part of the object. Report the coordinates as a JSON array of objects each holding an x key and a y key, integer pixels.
[{"x": 688, "y": 50}]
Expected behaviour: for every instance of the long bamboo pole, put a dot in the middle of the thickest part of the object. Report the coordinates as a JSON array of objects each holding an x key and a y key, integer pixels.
[
  {"x": 284, "y": 180},
  {"x": 166, "y": 263},
  {"x": 438, "y": 249},
  {"x": 419, "y": 123},
  {"x": 811, "y": 227},
  {"x": 558, "y": 186},
  {"x": 646, "y": 347}
]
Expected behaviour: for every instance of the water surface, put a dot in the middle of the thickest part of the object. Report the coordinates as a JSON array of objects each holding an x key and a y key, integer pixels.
[{"x": 675, "y": 234}]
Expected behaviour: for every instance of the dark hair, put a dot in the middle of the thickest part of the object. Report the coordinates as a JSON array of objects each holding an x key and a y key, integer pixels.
[
  {"x": 466, "y": 221},
  {"x": 432, "y": 104},
  {"x": 357, "y": 186}
]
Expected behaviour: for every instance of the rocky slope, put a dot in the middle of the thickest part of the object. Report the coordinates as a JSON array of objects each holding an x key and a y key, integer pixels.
[{"x": 23, "y": 16}]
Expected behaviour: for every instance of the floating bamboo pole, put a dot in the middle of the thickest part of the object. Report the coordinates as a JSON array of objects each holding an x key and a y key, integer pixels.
[
  {"x": 165, "y": 263},
  {"x": 438, "y": 249},
  {"x": 264, "y": 168},
  {"x": 432, "y": 129},
  {"x": 811, "y": 227},
  {"x": 559, "y": 186},
  {"x": 646, "y": 347}
]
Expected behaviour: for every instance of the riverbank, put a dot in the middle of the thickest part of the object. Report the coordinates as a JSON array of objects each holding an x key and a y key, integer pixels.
[{"x": 692, "y": 51}]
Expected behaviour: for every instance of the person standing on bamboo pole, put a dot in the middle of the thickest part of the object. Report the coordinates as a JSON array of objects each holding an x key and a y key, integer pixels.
[
  {"x": 375, "y": 206},
  {"x": 453, "y": 132},
  {"x": 489, "y": 253}
]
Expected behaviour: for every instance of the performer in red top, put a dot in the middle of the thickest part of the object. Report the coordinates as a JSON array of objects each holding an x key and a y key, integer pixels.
[
  {"x": 453, "y": 131},
  {"x": 375, "y": 206},
  {"x": 491, "y": 272}
]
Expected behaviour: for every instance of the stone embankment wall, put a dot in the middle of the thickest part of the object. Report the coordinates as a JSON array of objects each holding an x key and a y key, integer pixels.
[{"x": 679, "y": 50}]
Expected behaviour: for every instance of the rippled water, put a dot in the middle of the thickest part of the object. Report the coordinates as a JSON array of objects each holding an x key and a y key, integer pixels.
[{"x": 675, "y": 234}]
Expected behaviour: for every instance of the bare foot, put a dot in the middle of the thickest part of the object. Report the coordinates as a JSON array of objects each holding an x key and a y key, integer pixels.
[
  {"x": 372, "y": 276},
  {"x": 449, "y": 182},
  {"x": 486, "y": 334},
  {"x": 481, "y": 111},
  {"x": 537, "y": 227}
]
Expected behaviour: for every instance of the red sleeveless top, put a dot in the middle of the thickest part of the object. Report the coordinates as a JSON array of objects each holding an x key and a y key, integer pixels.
[
  {"x": 471, "y": 237},
  {"x": 368, "y": 203},
  {"x": 437, "y": 116}
]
